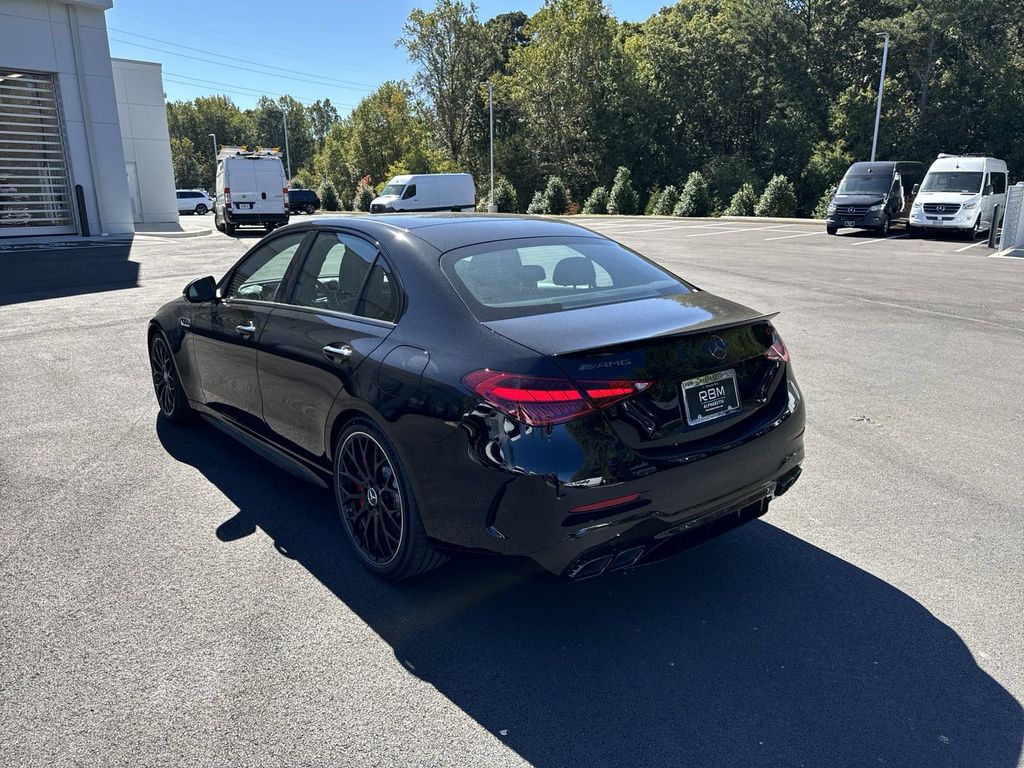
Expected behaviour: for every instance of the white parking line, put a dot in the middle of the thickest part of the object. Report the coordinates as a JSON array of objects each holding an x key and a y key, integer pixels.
[
  {"x": 674, "y": 226},
  {"x": 881, "y": 239},
  {"x": 730, "y": 231},
  {"x": 786, "y": 237},
  {"x": 972, "y": 245}
]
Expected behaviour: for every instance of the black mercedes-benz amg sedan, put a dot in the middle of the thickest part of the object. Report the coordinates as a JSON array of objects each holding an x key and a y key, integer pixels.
[{"x": 496, "y": 384}]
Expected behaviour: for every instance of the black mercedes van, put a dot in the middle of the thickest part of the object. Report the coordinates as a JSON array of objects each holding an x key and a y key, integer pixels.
[{"x": 874, "y": 195}]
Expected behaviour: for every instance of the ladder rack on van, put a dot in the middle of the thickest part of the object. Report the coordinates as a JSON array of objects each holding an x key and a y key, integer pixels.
[{"x": 244, "y": 151}]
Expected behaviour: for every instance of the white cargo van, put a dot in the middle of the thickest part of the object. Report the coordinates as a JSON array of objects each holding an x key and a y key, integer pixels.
[
  {"x": 427, "y": 192},
  {"x": 959, "y": 193},
  {"x": 251, "y": 189}
]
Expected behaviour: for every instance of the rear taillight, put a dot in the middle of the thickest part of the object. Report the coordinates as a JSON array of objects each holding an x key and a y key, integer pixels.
[
  {"x": 543, "y": 401},
  {"x": 227, "y": 196},
  {"x": 286, "y": 195},
  {"x": 778, "y": 350}
]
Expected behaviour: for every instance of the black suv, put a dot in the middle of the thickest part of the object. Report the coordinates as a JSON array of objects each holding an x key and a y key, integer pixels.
[{"x": 303, "y": 201}]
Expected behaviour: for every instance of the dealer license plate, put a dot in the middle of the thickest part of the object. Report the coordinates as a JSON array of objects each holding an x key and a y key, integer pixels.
[{"x": 710, "y": 397}]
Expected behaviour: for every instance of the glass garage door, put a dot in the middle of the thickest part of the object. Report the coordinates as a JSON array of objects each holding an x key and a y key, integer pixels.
[{"x": 35, "y": 195}]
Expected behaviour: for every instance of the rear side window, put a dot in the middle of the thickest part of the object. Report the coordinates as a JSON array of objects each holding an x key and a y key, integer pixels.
[{"x": 542, "y": 275}]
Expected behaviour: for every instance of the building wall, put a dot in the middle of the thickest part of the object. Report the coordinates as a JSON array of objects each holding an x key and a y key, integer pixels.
[
  {"x": 139, "y": 89},
  {"x": 70, "y": 39}
]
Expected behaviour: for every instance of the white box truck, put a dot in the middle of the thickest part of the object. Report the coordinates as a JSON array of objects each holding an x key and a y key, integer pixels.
[
  {"x": 959, "y": 193},
  {"x": 251, "y": 190},
  {"x": 427, "y": 192}
]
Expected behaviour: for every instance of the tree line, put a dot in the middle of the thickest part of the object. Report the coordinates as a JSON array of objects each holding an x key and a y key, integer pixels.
[{"x": 708, "y": 106}]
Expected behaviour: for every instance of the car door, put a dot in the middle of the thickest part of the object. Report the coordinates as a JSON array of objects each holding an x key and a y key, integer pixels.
[
  {"x": 226, "y": 333},
  {"x": 344, "y": 303}
]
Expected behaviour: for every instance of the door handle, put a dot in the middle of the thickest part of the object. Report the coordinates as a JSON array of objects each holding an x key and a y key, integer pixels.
[
  {"x": 246, "y": 330},
  {"x": 338, "y": 354}
]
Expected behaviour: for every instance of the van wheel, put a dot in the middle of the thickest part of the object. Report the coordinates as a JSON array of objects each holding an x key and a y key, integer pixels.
[
  {"x": 883, "y": 229},
  {"x": 229, "y": 228},
  {"x": 268, "y": 228},
  {"x": 831, "y": 229}
]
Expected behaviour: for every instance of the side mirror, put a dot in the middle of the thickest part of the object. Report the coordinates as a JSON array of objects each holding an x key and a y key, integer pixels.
[
  {"x": 988, "y": 190},
  {"x": 914, "y": 189},
  {"x": 203, "y": 289}
]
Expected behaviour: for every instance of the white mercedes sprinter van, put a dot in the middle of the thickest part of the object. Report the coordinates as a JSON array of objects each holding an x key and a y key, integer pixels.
[
  {"x": 959, "y": 193},
  {"x": 427, "y": 192},
  {"x": 251, "y": 189}
]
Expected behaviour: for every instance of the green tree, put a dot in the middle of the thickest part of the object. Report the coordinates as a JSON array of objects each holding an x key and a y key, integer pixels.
[
  {"x": 364, "y": 195},
  {"x": 450, "y": 50},
  {"x": 329, "y": 196},
  {"x": 623, "y": 199},
  {"x": 778, "y": 198},
  {"x": 556, "y": 197},
  {"x": 385, "y": 131},
  {"x": 821, "y": 209},
  {"x": 597, "y": 202},
  {"x": 321, "y": 115},
  {"x": 743, "y": 202},
  {"x": 538, "y": 204},
  {"x": 188, "y": 172},
  {"x": 695, "y": 199},
  {"x": 667, "y": 201}
]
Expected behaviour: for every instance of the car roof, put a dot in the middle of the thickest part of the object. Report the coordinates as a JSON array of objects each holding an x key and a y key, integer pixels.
[{"x": 446, "y": 231}]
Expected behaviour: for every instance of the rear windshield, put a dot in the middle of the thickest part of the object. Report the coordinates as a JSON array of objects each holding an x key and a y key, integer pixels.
[
  {"x": 966, "y": 182},
  {"x": 532, "y": 277},
  {"x": 864, "y": 184}
]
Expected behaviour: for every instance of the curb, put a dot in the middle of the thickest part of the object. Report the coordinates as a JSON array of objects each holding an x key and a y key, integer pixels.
[
  {"x": 737, "y": 219},
  {"x": 173, "y": 235}
]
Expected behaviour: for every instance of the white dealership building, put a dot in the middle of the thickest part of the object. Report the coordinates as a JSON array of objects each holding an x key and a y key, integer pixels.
[{"x": 83, "y": 138}]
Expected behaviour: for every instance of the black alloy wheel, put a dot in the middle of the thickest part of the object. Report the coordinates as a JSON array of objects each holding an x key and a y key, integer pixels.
[
  {"x": 376, "y": 505},
  {"x": 201, "y": 209},
  {"x": 169, "y": 395}
]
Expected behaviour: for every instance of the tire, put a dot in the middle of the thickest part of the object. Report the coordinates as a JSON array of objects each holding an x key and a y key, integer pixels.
[
  {"x": 170, "y": 396},
  {"x": 201, "y": 210},
  {"x": 913, "y": 231},
  {"x": 268, "y": 228},
  {"x": 310, "y": 209},
  {"x": 831, "y": 229},
  {"x": 883, "y": 228},
  {"x": 377, "y": 508},
  {"x": 229, "y": 228}
]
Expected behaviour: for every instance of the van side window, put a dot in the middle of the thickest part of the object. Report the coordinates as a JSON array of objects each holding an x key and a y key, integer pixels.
[
  {"x": 410, "y": 191},
  {"x": 998, "y": 182}
]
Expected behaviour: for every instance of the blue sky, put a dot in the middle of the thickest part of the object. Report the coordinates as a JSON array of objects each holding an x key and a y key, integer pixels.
[{"x": 336, "y": 49}]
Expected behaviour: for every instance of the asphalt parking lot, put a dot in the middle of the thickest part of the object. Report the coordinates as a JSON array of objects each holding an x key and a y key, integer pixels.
[{"x": 169, "y": 598}]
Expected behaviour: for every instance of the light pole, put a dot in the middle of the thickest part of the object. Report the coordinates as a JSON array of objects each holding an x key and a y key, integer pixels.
[
  {"x": 881, "y": 88},
  {"x": 491, "y": 207},
  {"x": 287, "y": 154},
  {"x": 215, "y": 149}
]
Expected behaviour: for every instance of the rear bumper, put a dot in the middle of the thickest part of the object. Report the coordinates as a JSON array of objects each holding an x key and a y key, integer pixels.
[
  {"x": 238, "y": 217},
  {"x": 668, "y": 504}
]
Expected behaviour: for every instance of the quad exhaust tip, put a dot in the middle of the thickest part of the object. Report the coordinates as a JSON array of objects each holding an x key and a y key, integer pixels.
[{"x": 595, "y": 567}]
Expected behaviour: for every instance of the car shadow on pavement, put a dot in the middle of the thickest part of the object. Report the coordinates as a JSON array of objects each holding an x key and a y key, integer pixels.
[
  {"x": 756, "y": 648},
  {"x": 35, "y": 272}
]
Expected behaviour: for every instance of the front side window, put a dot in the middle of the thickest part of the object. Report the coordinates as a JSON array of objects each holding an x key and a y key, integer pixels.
[
  {"x": 260, "y": 276},
  {"x": 963, "y": 182},
  {"x": 410, "y": 192},
  {"x": 541, "y": 275},
  {"x": 344, "y": 273},
  {"x": 998, "y": 183}
]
